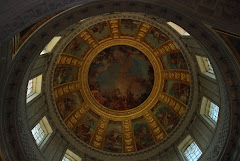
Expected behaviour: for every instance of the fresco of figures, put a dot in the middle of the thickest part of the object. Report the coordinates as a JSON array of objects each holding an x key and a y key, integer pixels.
[
  {"x": 69, "y": 103},
  {"x": 121, "y": 77},
  {"x": 85, "y": 129},
  {"x": 155, "y": 38},
  {"x": 174, "y": 61},
  {"x": 76, "y": 47},
  {"x": 65, "y": 75},
  {"x": 165, "y": 116},
  {"x": 129, "y": 27},
  {"x": 113, "y": 139},
  {"x": 100, "y": 31},
  {"x": 143, "y": 136},
  {"x": 178, "y": 90}
]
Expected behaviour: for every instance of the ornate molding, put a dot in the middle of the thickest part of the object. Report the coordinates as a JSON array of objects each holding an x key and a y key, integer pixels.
[
  {"x": 66, "y": 59},
  {"x": 142, "y": 31},
  {"x": 76, "y": 116},
  {"x": 128, "y": 137},
  {"x": 62, "y": 90},
  {"x": 157, "y": 129},
  {"x": 166, "y": 48},
  {"x": 177, "y": 106},
  {"x": 98, "y": 137},
  {"x": 114, "y": 26},
  {"x": 177, "y": 75}
]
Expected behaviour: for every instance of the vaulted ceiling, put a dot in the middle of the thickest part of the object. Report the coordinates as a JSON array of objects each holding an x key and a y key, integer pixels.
[{"x": 121, "y": 85}]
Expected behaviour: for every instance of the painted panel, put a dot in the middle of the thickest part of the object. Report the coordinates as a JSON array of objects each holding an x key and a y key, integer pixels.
[
  {"x": 77, "y": 47},
  {"x": 155, "y": 38},
  {"x": 100, "y": 31},
  {"x": 143, "y": 136},
  {"x": 69, "y": 103},
  {"x": 173, "y": 61},
  {"x": 165, "y": 116},
  {"x": 121, "y": 77},
  {"x": 65, "y": 75},
  {"x": 177, "y": 90},
  {"x": 85, "y": 129},
  {"x": 129, "y": 27},
  {"x": 113, "y": 139}
]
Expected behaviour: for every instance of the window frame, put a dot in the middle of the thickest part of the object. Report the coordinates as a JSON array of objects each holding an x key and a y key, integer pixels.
[
  {"x": 196, "y": 156},
  {"x": 184, "y": 145},
  {"x": 30, "y": 88},
  {"x": 35, "y": 132},
  {"x": 204, "y": 111},
  {"x": 36, "y": 86},
  {"x": 47, "y": 130},
  {"x": 205, "y": 66},
  {"x": 71, "y": 156}
]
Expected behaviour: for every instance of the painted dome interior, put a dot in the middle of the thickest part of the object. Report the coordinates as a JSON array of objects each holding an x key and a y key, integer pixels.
[
  {"x": 121, "y": 77},
  {"x": 121, "y": 85}
]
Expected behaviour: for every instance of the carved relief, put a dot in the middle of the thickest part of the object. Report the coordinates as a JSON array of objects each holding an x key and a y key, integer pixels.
[
  {"x": 177, "y": 75},
  {"x": 87, "y": 37},
  {"x": 71, "y": 60},
  {"x": 99, "y": 134},
  {"x": 142, "y": 31},
  {"x": 62, "y": 90},
  {"x": 156, "y": 128},
  {"x": 177, "y": 106},
  {"x": 76, "y": 116},
  {"x": 166, "y": 48},
  {"x": 128, "y": 137},
  {"x": 114, "y": 28}
]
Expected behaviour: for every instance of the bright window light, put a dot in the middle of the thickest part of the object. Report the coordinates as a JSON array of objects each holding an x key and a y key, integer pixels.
[
  {"x": 209, "y": 111},
  {"x": 50, "y": 45},
  {"x": 193, "y": 152},
  {"x": 41, "y": 131},
  {"x": 43, "y": 52},
  {"x": 70, "y": 156},
  {"x": 213, "y": 112},
  {"x": 66, "y": 159},
  {"x": 205, "y": 66},
  {"x": 34, "y": 88},
  {"x": 38, "y": 134},
  {"x": 180, "y": 30},
  {"x": 29, "y": 87},
  {"x": 210, "y": 69}
]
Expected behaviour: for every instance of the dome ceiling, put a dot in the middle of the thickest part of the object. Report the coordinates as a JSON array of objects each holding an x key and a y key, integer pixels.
[
  {"x": 121, "y": 77},
  {"x": 121, "y": 85}
]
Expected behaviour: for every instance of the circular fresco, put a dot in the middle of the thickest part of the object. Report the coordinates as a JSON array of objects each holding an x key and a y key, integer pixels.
[{"x": 121, "y": 77}]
